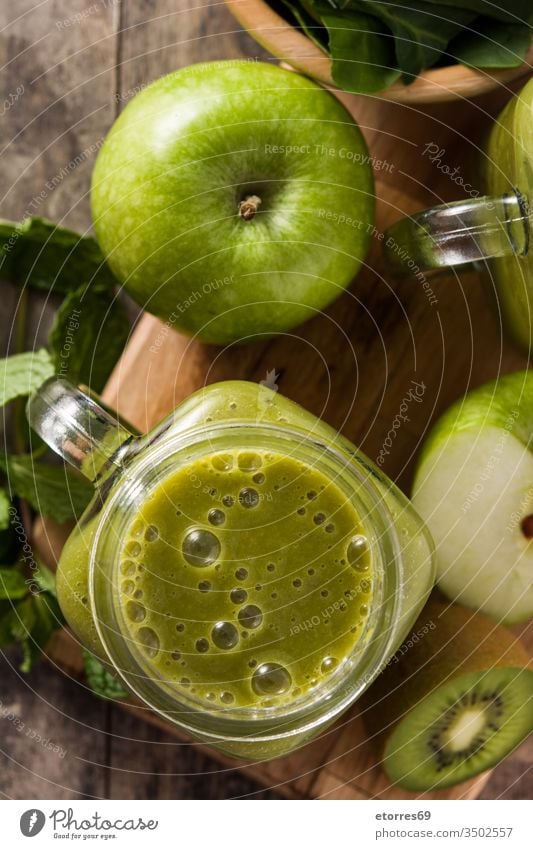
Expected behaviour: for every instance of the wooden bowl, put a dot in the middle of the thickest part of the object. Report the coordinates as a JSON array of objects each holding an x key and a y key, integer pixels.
[{"x": 293, "y": 47}]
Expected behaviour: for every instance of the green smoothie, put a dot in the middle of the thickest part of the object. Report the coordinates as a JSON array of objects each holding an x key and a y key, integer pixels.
[
  {"x": 246, "y": 579},
  {"x": 247, "y": 570}
]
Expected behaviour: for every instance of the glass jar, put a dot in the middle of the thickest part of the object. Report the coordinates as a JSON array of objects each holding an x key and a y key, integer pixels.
[
  {"x": 242, "y": 420},
  {"x": 495, "y": 228}
]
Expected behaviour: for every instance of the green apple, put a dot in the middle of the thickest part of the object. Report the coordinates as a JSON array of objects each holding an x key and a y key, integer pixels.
[
  {"x": 234, "y": 199},
  {"x": 474, "y": 488}
]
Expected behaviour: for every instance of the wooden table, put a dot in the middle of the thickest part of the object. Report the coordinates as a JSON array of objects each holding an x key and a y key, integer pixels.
[{"x": 79, "y": 64}]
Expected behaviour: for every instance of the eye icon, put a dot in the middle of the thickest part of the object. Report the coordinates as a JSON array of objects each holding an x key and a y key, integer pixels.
[{"x": 32, "y": 822}]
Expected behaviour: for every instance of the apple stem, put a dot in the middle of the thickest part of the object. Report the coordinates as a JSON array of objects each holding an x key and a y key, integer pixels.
[
  {"x": 249, "y": 206},
  {"x": 527, "y": 526}
]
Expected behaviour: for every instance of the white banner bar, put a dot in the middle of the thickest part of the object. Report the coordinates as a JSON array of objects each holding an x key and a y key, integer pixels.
[{"x": 267, "y": 824}]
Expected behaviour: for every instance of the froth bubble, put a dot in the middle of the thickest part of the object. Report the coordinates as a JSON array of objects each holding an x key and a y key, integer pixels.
[
  {"x": 228, "y": 500},
  {"x": 271, "y": 679},
  {"x": 133, "y": 548},
  {"x": 202, "y": 645},
  {"x": 151, "y": 533},
  {"x": 149, "y": 641},
  {"x": 222, "y": 462},
  {"x": 250, "y": 616},
  {"x": 357, "y": 553},
  {"x": 249, "y": 462},
  {"x": 241, "y": 573},
  {"x": 200, "y": 548},
  {"x": 227, "y": 698},
  {"x": 135, "y": 611},
  {"x": 127, "y": 567},
  {"x": 328, "y": 664},
  {"x": 249, "y": 497},
  {"x": 216, "y": 517},
  {"x": 225, "y": 635},
  {"x": 238, "y": 595}
]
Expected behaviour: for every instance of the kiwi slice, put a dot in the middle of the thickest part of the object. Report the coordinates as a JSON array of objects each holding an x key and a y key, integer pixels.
[{"x": 454, "y": 701}]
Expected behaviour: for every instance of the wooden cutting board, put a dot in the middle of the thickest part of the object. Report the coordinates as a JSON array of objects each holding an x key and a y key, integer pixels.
[{"x": 353, "y": 366}]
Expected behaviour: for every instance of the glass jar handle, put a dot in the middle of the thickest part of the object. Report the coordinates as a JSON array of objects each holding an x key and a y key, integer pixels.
[
  {"x": 461, "y": 232},
  {"x": 77, "y": 428}
]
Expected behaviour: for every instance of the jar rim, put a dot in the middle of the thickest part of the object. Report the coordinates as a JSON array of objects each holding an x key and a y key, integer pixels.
[{"x": 250, "y": 725}]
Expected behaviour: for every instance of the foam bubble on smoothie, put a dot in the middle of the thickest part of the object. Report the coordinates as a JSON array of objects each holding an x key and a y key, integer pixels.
[
  {"x": 238, "y": 595},
  {"x": 249, "y": 462},
  {"x": 357, "y": 553},
  {"x": 133, "y": 548},
  {"x": 202, "y": 645},
  {"x": 149, "y": 641},
  {"x": 151, "y": 533},
  {"x": 200, "y": 548},
  {"x": 249, "y": 497},
  {"x": 222, "y": 462},
  {"x": 127, "y": 567},
  {"x": 216, "y": 517},
  {"x": 241, "y": 574},
  {"x": 271, "y": 679},
  {"x": 135, "y": 611},
  {"x": 250, "y": 616},
  {"x": 225, "y": 635},
  {"x": 328, "y": 664}
]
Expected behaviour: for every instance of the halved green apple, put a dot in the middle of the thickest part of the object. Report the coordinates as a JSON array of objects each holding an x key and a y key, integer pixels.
[{"x": 474, "y": 488}]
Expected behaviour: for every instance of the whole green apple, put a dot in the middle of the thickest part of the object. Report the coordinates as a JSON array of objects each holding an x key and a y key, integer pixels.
[
  {"x": 474, "y": 488},
  {"x": 233, "y": 199}
]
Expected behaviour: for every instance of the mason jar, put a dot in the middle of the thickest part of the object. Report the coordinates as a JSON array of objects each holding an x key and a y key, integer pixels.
[{"x": 243, "y": 568}]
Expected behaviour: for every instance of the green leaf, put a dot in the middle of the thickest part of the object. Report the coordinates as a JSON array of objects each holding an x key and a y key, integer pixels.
[
  {"x": 308, "y": 21},
  {"x": 361, "y": 52},
  {"x": 52, "y": 491},
  {"x": 421, "y": 32},
  {"x": 491, "y": 44},
  {"x": 7, "y": 623},
  {"x": 12, "y": 583},
  {"x": 512, "y": 11},
  {"x": 102, "y": 682},
  {"x": 22, "y": 374},
  {"x": 36, "y": 628},
  {"x": 88, "y": 335},
  {"x": 45, "y": 579},
  {"x": 38, "y": 253},
  {"x": 5, "y": 505}
]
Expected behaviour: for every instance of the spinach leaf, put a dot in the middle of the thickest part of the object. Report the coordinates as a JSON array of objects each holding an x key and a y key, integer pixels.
[
  {"x": 491, "y": 44},
  {"x": 362, "y": 53}
]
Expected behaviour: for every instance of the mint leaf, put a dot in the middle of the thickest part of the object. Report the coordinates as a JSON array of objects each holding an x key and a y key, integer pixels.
[
  {"x": 5, "y": 504},
  {"x": 46, "y": 579},
  {"x": 102, "y": 682},
  {"x": 38, "y": 620},
  {"x": 12, "y": 583},
  {"x": 491, "y": 44},
  {"x": 51, "y": 490},
  {"x": 22, "y": 374},
  {"x": 38, "y": 253},
  {"x": 88, "y": 335}
]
